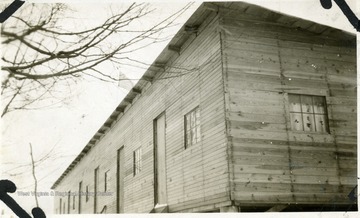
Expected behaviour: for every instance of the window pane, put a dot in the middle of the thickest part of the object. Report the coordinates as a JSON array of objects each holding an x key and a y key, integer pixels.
[
  {"x": 193, "y": 135},
  {"x": 187, "y": 122},
  {"x": 138, "y": 160},
  {"x": 192, "y": 127},
  {"x": 197, "y": 120},
  {"x": 308, "y": 121},
  {"x": 296, "y": 121},
  {"x": 188, "y": 138},
  {"x": 295, "y": 105},
  {"x": 198, "y": 135},
  {"x": 306, "y": 104},
  {"x": 321, "y": 123},
  {"x": 192, "y": 119},
  {"x": 319, "y": 105}
]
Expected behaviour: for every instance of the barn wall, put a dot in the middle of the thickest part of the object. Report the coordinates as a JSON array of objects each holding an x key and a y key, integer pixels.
[
  {"x": 272, "y": 164},
  {"x": 197, "y": 177}
]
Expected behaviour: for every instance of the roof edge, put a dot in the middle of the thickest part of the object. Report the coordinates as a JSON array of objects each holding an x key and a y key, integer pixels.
[{"x": 149, "y": 74}]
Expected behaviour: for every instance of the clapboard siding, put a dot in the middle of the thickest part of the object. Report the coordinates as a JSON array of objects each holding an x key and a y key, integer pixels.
[
  {"x": 271, "y": 163},
  {"x": 238, "y": 67},
  {"x": 198, "y": 174}
]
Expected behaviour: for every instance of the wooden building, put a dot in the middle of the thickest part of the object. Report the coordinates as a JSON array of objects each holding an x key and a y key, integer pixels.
[{"x": 245, "y": 110}]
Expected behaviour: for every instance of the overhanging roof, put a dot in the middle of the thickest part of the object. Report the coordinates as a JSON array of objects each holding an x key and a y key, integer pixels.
[{"x": 252, "y": 11}]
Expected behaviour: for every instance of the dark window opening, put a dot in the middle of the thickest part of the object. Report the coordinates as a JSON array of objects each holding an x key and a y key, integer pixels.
[
  {"x": 106, "y": 181},
  {"x": 68, "y": 208},
  {"x": 192, "y": 127},
  {"x": 308, "y": 113},
  {"x": 87, "y": 194}
]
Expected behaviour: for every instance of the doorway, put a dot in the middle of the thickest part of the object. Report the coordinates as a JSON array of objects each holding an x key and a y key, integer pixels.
[
  {"x": 120, "y": 175},
  {"x": 160, "y": 160},
  {"x": 96, "y": 182}
]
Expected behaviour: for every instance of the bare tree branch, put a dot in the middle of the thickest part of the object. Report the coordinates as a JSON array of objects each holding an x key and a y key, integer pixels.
[
  {"x": 41, "y": 53},
  {"x": 34, "y": 176}
]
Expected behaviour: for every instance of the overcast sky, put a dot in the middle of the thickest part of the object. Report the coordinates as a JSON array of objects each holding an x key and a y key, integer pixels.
[{"x": 70, "y": 127}]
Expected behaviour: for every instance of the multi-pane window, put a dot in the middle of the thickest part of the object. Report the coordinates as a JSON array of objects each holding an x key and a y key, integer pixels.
[
  {"x": 308, "y": 113},
  {"x": 137, "y": 161},
  {"x": 192, "y": 127}
]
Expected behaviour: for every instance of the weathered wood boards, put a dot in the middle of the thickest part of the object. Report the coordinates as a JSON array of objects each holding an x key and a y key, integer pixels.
[
  {"x": 196, "y": 177},
  {"x": 239, "y": 69},
  {"x": 272, "y": 164}
]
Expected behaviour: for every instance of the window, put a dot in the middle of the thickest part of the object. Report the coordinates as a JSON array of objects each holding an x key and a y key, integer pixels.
[
  {"x": 106, "y": 181},
  {"x": 80, "y": 196},
  {"x": 96, "y": 182},
  {"x": 192, "y": 127},
  {"x": 73, "y": 202},
  {"x": 60, "y": 205},
  {"x": 87, "y": 194},
  {"x": 137, "y": 161},
  {"x": 120, "y": 175},
  {"x": 68, "y": 202},
  {"x": 308, "y": 113}
]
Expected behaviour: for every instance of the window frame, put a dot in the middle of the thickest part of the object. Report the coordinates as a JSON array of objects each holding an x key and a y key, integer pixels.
[
  {"x": 313, "y": 114},
  {"x": 196, "y": 128}
]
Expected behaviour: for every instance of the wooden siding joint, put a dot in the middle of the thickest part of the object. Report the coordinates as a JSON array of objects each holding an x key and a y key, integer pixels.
[{"x": 226, "y": 104}]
